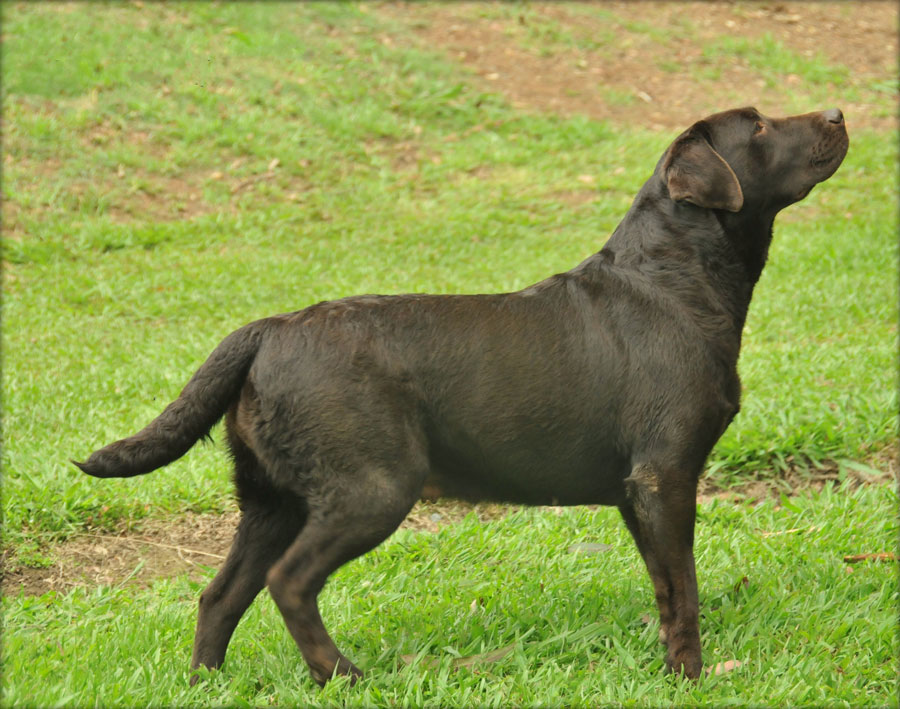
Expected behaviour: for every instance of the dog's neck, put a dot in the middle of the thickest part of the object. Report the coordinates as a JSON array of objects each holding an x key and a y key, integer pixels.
[
  {"x": 750, "y": 238},
  {"x": 711, "y": 258}
]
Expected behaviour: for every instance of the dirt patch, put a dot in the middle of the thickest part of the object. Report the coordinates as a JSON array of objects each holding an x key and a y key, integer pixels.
[
  {"x": 131, "y": 194},
  {"x": 193, "y": 193},
  {"x": 649, "y": 63},
  {"x": 403, "y": 155},
  {"x": 158, "y": 548}
]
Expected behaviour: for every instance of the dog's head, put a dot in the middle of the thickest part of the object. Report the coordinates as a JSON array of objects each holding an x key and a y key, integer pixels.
[{"x": 741, "y": 159}]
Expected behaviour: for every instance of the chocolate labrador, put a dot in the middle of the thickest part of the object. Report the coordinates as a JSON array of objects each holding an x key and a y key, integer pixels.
[{"x": 607, "y": 384}]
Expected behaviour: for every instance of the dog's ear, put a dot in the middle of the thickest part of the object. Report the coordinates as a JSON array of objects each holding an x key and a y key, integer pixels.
[{"x": 694, "y": 172}]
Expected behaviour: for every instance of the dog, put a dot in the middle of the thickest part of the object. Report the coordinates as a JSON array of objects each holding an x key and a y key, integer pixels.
[{"x": 607, "y": 384}]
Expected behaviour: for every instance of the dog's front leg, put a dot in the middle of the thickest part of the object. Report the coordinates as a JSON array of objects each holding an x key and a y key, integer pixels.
[{"x": 660, "y": 515}]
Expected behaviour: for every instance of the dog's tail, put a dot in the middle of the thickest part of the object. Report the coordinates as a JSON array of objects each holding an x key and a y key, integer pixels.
[{"x": 202, "y": 402}]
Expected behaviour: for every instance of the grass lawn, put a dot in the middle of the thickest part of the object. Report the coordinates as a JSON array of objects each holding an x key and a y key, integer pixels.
[
  {"x": 775, "y": 594},
  {"x": 173, "y": 171}
]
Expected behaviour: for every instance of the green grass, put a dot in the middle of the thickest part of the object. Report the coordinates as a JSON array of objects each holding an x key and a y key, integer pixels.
[
  {"x": 807, "y": 630},
  {"x": 145, "y": 217}
]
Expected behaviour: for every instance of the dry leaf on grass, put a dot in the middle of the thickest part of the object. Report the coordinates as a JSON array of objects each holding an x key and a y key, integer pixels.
[{"x": 722, "y": 667}]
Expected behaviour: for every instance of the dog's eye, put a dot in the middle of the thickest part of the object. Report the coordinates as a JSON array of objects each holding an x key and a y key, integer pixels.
[{"x": 759, "y": 128}]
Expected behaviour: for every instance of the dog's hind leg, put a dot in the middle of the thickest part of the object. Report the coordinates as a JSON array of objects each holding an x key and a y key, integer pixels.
[
  {"x": 262, "y": 536},
  {"x": 270, "y": 521},
  {"x": 660, "y": 517},
  {"x": 344, "y": 524}
]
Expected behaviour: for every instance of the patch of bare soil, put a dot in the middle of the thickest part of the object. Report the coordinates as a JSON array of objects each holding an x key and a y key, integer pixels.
[
  {"x": 157, "y": 548},
  {"x": 132, "y": 194},
  {"x": 643, "y": 63}
]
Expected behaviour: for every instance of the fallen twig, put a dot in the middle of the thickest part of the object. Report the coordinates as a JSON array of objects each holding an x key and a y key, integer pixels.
[
  {"x": 252, "y": 180},
  {"x": 878, "y": 556},
  {"x": 148, "y": 541},
  {"x": 790, "y": 531}
]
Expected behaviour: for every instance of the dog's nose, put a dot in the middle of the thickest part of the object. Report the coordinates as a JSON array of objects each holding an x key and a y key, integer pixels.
[{"x": 833, "y": 115}]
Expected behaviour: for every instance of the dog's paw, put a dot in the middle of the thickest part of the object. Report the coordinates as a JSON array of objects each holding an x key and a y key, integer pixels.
[{"x": 687, "y": 664}]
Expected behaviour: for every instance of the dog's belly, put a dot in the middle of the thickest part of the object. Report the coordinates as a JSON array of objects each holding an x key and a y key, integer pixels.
[
  {"x": 523, "y": 475},
  {"x": 458, "y": 486}
]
